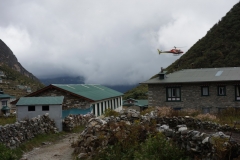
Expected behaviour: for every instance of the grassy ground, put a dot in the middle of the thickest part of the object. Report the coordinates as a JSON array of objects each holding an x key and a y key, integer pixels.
[{"x": 7, "y": 120}]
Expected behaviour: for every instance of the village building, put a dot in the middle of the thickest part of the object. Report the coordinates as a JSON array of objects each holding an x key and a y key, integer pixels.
[
  {"x": 83, "y": 98},
  {"x": 30, "y": 107},
  {"x": 5, "y": 105},
  {"x": 139, "y": 104},
  {"x": 206, "y": 89}
]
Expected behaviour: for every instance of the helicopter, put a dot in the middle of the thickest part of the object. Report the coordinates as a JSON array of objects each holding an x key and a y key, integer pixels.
[{"x": 174, "y": 51}]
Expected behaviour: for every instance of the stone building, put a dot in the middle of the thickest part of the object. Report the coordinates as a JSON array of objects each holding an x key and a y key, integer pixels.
[
  {"x": 83, "y": 98},
  {"x": 30, "y": 107},
  {"x": 137, "y": 104},
  {"x": 206, "y": 89}
]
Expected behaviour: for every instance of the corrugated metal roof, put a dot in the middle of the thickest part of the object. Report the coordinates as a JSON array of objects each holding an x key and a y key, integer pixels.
[
  {"x": 200, "y": 75},
  {"x": 23, "y": 101},
  {"x": 5, "y": 96},
  {"x": 90, "y": 91},
  {"x": 137, "y": 102}
]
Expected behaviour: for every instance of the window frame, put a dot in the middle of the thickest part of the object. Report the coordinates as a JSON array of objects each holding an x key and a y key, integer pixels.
[
  {"x": 237, "y": 91},
  {"x": 173, "y": 98},
  {"x": 4, "y": 102},
  {"x": 218, "y": 91},
  {"x": 44, "y": 109},
  {"x": 202, "y": 87},
  {"x": 31, "y": 108}
]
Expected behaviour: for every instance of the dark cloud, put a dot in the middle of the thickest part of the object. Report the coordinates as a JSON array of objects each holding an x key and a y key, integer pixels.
[{"x": 107, "y": 42}]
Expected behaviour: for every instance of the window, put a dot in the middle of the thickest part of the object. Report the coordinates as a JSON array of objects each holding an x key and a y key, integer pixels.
[
  {"x": 237, "y": 88},
  {"x": 221, "y": 90},
  {"x": 206, "y": 110},
  {"x": 31, "y": 108},
  {"x": 174, "y": 94},
  {"x": 45, "y": 108},
  {"x": 4, "y": 103},
  {"x": 205, "y": 91}
]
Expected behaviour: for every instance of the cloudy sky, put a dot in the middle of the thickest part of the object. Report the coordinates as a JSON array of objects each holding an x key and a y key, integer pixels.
[{"x": 106, "y": 41}]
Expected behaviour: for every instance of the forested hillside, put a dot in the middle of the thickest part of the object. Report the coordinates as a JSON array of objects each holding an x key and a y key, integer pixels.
[{"x": 220, "y": 47}]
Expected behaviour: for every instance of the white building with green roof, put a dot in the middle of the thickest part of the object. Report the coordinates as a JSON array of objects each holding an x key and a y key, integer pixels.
[
  {"x": 83, "y": 98},
  {"x": 30, "y": 107}
]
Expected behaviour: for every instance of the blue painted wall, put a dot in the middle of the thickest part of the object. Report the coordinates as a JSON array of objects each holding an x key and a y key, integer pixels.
[{"x": 76, "y": 111}]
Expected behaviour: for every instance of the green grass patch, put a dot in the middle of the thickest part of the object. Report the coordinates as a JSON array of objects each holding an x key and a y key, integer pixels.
[{"x": 7, "y": 120}]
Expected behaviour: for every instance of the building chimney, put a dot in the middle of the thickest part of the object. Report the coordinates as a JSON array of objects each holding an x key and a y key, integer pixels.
[{"x": 162, "y": 73}]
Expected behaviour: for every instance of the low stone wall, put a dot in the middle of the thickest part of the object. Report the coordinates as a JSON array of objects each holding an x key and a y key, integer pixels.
[
  {"x": 12, "y": 135},
  {"x": 100, "y": 133},
  {"x": 72, "y": 121}
]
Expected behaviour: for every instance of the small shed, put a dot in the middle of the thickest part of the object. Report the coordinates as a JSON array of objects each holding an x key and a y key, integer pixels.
[
  {"x": 139, "y": 104},
  {"x": 30, "y": 107}
]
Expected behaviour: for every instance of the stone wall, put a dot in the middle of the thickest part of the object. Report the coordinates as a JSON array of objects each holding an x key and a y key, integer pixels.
[
  {"x": 184, "y": 131},
  {"x": 12, "y": 135},
  {"x": 69, "y": 102},
  {"x": 191, "y": 97},
  {"x": 72, "y": 121}
]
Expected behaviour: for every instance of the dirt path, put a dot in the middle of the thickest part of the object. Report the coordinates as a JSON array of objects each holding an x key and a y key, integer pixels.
[{"x": 60, "y": 150}]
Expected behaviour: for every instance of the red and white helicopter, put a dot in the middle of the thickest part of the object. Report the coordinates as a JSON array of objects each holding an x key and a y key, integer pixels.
[{"x": 174, "y": 51}]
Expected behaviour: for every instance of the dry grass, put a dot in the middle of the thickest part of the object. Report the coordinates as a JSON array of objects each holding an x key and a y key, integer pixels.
[
  {"x": 207, "y": 117},
  {"x": 7, "y": 120}
]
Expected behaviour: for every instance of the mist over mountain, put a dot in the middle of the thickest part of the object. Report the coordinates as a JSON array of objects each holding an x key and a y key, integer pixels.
[
  {"x": 80, "y": 80},
  {"x": 63, "y": 80}
]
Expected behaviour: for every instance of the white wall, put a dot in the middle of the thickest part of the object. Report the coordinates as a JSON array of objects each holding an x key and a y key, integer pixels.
[
  {"x": 55, "y": 113},
  {"x": 111, "y": 104}
]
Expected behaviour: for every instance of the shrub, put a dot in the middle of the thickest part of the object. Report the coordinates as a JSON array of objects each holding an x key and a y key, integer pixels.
[
  {"x": 207, "y": 117},
  {"x": 158, "y": 147},
  {"x": 229, "y": 115},
  {"x": 109, "y": 112},
  {"x": 189, "y": 112},
  {"x": 131, "y": 143},
  {"x": 148, "y": 110},
  {"x": 165, "y": 111}
]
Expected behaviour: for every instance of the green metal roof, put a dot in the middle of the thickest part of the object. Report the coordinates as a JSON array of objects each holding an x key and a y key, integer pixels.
[
  {"x": 137, "y": 102},
  {"x": 91, "y": 91},
  {"x": 23, "y": 101},
  {"x": 199, "y": 75},
  {"x": 5, "y": 96},
  {"x": 4, "y": 108}
]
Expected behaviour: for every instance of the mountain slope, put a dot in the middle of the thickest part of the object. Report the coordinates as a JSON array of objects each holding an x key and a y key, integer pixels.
[
  {"x": 8, "y": 58},
  {"x": 16, "y": 79},
  {"x": 220, "y": 47}
]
